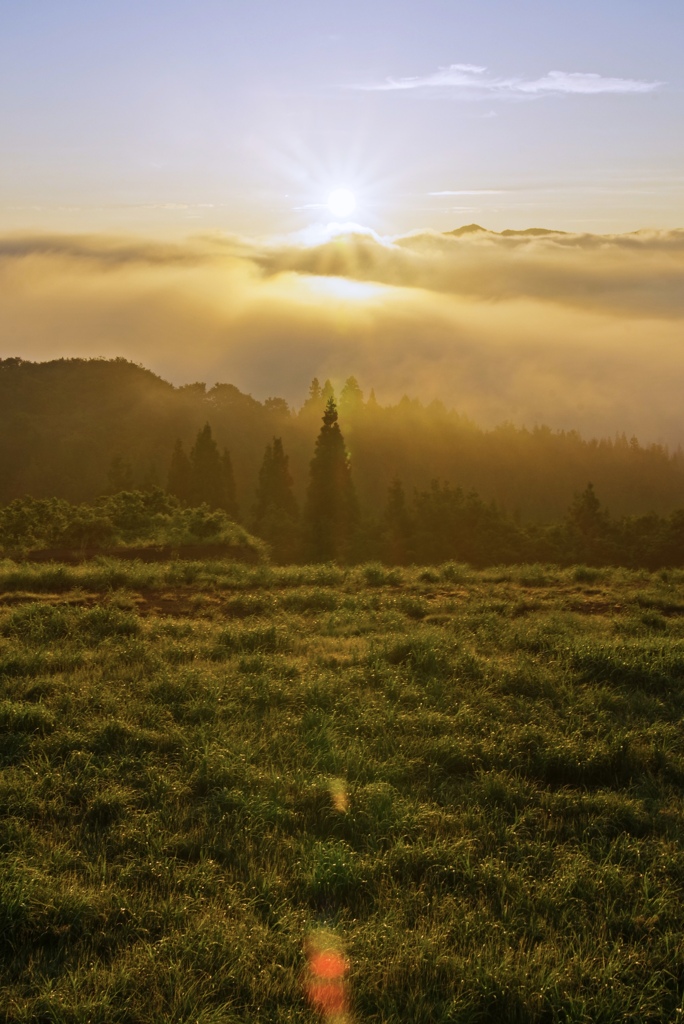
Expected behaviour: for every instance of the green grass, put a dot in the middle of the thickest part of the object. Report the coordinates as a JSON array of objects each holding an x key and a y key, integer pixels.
[{"x": 473, "y": 780}]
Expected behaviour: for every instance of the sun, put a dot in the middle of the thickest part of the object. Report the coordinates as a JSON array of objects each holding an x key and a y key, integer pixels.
[{"x": 341, "y": 202}]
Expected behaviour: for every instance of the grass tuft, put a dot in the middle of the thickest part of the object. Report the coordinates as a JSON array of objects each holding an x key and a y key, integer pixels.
[{"x": 468, "y": 783}]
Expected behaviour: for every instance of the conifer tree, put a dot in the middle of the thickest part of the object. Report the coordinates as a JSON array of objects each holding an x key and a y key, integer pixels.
[
  {"x": 330, "y": 514},
  {"x": 591, "y": 534},
  {"x": 206, "y": 472},
  {"x": 231, "y": 504},
  {"x": 275, "y": 516},
  {"x": 178, "y": 481},
  {"x": 274, "y": 489},
  {"x": 351, "y": 397},
  {"x": 314, "y": 391},
  {"x": 150, "y": 481},
  {"x": 397, "y": 527},
  {"x": 209, "y": 475},
  {"x": 120, "y": 475},
  {"x": 314, "y": 401},
  {"x": 586, "y": 515}
]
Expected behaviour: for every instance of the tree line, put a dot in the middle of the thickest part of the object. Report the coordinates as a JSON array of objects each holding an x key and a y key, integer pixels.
[
  {"x": 438, "y": 524},
  {"x": 80, "y": 428},
  {"x": 328, "y": 528}
]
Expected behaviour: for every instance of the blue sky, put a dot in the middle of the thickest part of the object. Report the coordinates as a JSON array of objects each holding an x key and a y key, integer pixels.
[{"x": 178, "y": 117}]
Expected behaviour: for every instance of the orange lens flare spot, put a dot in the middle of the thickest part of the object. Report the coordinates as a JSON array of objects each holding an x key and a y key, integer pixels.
[
  {"x": 326, "y": 985},
  {"x": 329, "y": 997},
  {"x": 328, "y": 964}
]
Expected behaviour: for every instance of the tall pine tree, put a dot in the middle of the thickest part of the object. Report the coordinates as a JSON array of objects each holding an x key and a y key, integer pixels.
[{"x": 330, "y": 514}]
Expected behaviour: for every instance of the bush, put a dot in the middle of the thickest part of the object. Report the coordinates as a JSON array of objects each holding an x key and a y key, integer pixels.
[{"x": 130, "y": 518}]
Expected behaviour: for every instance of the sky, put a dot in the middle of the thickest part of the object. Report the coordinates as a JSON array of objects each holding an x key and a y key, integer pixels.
[
  {"x": 164, "y": 196},
  {"x": 173, "y": 117}
]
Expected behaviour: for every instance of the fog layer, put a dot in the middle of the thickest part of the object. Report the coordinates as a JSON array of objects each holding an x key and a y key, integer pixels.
[{"x": 577, "y": 331}]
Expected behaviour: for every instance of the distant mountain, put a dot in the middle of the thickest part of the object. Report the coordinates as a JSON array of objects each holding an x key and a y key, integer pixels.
[
  {"x": 471, "y": 229},
  {"x": 467, "y": 229}
]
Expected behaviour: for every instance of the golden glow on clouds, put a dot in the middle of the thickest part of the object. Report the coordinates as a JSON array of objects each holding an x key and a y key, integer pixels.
[
  {"x": 571, "y": 330},
  {"x": 344, "y": 290}
]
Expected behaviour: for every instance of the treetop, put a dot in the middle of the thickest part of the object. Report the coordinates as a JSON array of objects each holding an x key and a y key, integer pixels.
[{"x": 330, "y": 414}]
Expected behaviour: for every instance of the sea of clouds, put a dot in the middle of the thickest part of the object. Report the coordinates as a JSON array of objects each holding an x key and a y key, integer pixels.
[{"x": 574, "y": 330}]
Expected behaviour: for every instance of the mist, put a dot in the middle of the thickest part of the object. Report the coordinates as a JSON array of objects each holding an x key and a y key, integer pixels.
[{"x": 575, "y": 331}]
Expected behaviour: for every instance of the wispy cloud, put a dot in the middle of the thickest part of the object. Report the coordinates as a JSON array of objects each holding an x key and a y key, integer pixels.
[
  {"x": 470, "y": 192},
  {"x": 471, "y": 81}
]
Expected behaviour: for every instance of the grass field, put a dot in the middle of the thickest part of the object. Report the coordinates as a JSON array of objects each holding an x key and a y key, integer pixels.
[{"x": 467, "y": 785}]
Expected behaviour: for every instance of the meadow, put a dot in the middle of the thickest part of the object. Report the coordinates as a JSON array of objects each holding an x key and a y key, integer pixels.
[{"x": 466, "y": 783}]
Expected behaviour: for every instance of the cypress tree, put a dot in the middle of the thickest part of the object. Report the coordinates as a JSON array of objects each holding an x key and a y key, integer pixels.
[
  {"x": 120, "y": 475},
  {"x": 331, "y": 513},
  {"x": 150, "y": 481},
  {"x": 206, "y": 476},
  {"x": 351, "y": 397},
  {"x": 591, "y": 532},
  {"x": 314, "y": 392},
  {"x": 397, "y": 527},
  {"x": 178, "y": 481},
  {"x": 314, "y": 400},
  {"x": 586, "y": 515},
  {"x": 275, "y": 516},
  {"x": 274, "y": 489},
  {"x": 211, "y": 480},
  {"x": 230, "y": 498}
]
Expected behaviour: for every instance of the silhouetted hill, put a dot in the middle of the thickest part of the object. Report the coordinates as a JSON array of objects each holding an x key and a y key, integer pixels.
[
  {"x": 78, "y": 428},
  {"x": 467, "y": 229},
  {"x": 472, "y": 229},
  {"x": 529, "y": 232}
]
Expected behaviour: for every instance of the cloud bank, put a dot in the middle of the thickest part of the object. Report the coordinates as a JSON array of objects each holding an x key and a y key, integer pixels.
[
  {"x": 577, "y": 331},
  {"x": 472, "y": 81}
]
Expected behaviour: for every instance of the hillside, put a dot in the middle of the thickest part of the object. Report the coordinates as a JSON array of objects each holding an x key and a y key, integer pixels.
[{"x": 65, "y": 424}]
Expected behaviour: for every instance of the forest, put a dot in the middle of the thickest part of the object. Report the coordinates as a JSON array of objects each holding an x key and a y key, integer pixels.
[{"x": 101, "y": 454}]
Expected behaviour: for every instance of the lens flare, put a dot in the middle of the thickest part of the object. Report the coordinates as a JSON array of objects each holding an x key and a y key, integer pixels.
[
  {"x": 326, "y": 984},
  {"x": 340, "y": 798}
]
